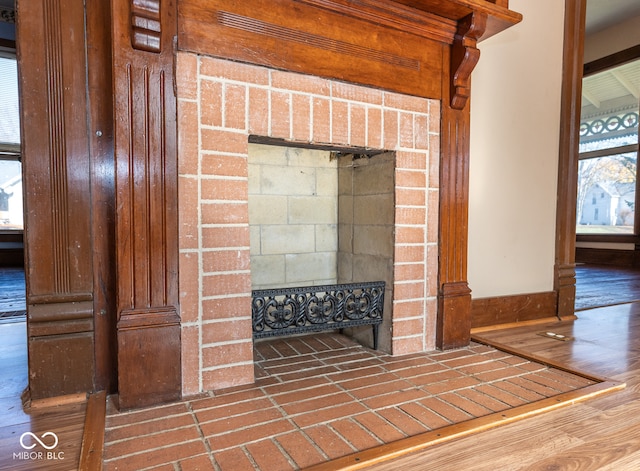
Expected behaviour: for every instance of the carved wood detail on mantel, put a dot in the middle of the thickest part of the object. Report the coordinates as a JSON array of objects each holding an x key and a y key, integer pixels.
[
  {"x": 465, "y": 56},
  {"x": 146, "y": 27}
]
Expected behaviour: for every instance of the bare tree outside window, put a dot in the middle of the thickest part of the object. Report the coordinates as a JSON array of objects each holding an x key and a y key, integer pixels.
[{"x": 607, "y": 171}]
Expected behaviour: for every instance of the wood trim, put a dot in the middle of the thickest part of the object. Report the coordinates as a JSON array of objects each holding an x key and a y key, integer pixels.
[
  {"x": 393, "y": 15},
  {"x": 144, "y": 318},
  {"x": 464, "y": 57},
  {"x": 49, "y": 402},
  {"x": 147, "y": 372},
  {"x": 564, "y": 268},
  {"x": 92, "y": 446},
  {"x": 609, "y": 238},
  {"x": 145, "y": 138},
  {"x": 313, "y": 40},
  {"x": 57, "y": 182},
  {"x": 621, "y": 258},
  {"x": 146, "y": 25},
  {"x": 316, "y": 37},
  {"x": 453, "y": 324},
  {"x": 493, "y": 328},
  {"x": 100, "y": 136},
  {"x": 612, "y": 60},
  {"x": 7, "y": 44},
  {"x": 508, "y": 309}
]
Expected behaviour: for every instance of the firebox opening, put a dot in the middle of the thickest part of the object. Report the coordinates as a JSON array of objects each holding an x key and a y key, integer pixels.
[{"x": 319, "y": 217}]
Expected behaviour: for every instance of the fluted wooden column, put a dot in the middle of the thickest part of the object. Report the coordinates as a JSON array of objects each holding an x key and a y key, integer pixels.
[
  {"x": 148, "y": 326},
  {"x": 58, "y": 198},
  {"x": 453, "y": 327}
]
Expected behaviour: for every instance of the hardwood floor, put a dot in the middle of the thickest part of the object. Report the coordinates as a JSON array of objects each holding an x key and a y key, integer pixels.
[
  {"x": 12, "y": 293},
  {"x": 601, "y": 285},
  {"x": 598, "y": 434}
]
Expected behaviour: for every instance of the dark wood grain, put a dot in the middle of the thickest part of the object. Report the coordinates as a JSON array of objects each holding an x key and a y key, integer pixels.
[
  {"x": 59, "y": 264},
  {"x": 564, "y": 274},
  {"x": 100, "y": 83},
  {"x": 63, "y": 419},
  {"x": 148, "y": 324},
  {"x": 516, "y": 308},
  {"x": 93, "y": 434},
  {"x": 454, "y": 295},
  {"x": 311, "y": 40}
]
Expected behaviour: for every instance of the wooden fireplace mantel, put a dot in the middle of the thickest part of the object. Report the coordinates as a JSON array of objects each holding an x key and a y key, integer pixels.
[
  {"x": 424, "y": 48},
  {"x": 354, "y": 41}
]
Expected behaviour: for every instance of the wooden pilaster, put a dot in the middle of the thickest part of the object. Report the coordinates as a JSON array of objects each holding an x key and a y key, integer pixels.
[
  {"x": 564, "y": 270},
  {"x": 453, "y": 327},
  {"x": 148, "y": 324}
]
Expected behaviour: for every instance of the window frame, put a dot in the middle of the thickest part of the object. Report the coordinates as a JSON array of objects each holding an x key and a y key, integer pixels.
[
  {"x": 9, "y": 151},
  {"x": 591, "y": 68}
]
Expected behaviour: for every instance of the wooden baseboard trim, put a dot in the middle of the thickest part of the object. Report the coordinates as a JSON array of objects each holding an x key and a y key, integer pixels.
[
  {"x": 66, "y": 399},
  {"x": 93, "y": 436},
  {"x": 502, "y": 310}
]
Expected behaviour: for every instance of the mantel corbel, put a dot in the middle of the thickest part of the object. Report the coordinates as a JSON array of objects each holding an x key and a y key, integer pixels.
[{"x": 465, "y": 56}]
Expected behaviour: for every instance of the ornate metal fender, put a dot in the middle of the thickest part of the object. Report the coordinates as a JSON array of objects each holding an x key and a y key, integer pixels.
[{"x": 287, "y": 311}]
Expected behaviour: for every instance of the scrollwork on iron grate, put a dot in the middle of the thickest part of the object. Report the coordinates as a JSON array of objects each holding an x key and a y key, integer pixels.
[{"x": 285, "y": 311}]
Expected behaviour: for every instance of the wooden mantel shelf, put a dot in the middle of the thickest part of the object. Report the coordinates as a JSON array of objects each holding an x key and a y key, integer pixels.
[
  {"x": 443, "y": 13},
  {"x": 341, "y": 38},
  {"x": 499, "y": 17}
]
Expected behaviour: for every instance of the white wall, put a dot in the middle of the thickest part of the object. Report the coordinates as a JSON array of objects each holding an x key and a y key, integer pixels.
[{"x": 515, "y": 110}]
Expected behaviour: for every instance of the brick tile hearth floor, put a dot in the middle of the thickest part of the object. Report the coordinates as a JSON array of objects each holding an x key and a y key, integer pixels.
[{"x": 320, "y": 397}]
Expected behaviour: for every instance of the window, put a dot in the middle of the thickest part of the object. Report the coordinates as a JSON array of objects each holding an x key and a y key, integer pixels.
[
  {"x": 607, "y": 170},
  {"x": 10, "y": 161}
]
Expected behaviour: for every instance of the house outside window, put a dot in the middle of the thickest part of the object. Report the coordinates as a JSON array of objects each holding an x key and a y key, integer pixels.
[{"x": 607, "y": 169}]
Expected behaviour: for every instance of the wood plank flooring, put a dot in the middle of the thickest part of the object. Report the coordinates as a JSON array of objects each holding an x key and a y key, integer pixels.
[
  {"x": 601, "y": 285},
  {"x": 12, "y": 292},
  {"x": 599, "y": 434}
]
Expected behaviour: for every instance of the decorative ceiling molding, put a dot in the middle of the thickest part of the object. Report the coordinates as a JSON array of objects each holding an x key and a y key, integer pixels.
[{"x": 7, "y": 15}]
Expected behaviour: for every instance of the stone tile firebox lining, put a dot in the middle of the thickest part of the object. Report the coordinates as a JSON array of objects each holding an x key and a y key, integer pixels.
[{"x": 220, "y": 105}]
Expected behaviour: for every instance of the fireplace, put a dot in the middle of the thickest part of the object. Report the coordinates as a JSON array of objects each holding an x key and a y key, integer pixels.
[
  {"x": 373, "y": 159},
  {"x": 196, "y": 82}
]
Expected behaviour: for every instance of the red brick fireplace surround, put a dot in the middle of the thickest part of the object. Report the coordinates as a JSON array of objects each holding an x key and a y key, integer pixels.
[
  {"x": 220, "y": 105},
  {"x": 199, "y": 82}
]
